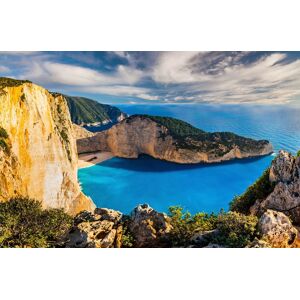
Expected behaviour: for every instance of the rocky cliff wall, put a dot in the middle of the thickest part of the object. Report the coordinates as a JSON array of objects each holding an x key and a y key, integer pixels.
[
  {"x": 142, "y": 135},
  {"x": 40, "y": 160}
]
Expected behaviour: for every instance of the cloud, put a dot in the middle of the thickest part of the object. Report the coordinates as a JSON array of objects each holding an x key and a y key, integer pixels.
[{"x": 180, "y": 77}]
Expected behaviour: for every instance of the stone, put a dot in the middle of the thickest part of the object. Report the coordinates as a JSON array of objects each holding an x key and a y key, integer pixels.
[
  {"x": 100, "y": 229},
  {"x": 202, "y": 239},
  {"x": 277, "y": 230},
  {"x": 148, "y": 226},
  {"x": 284, "y": 172}
]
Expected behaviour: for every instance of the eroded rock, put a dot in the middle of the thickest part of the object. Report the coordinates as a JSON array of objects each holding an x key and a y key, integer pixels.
[
  {"x": 277, "y": 230},
  {"x": 148, "y": 226},
  {"x": 100, "y": 229}
]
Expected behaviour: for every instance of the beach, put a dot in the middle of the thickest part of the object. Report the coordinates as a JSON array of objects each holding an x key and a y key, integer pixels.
[{"x": 90, "y": 159}]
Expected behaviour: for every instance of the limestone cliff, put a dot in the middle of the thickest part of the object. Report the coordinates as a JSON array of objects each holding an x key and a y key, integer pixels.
[
  {"x": 285, "y": 197},
  {"x": 38, "y": 157},
  {"x": 172, "y": 140}
]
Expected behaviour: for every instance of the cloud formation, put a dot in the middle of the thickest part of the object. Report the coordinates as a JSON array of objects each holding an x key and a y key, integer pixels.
[{"x": 198, "y": 77}]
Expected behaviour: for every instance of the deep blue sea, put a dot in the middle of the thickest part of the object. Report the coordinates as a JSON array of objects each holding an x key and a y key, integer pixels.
[{"x": 121, "y": 184}]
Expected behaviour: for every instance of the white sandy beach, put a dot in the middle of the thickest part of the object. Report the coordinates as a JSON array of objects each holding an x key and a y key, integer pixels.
[{"x": 90, "y": 159}]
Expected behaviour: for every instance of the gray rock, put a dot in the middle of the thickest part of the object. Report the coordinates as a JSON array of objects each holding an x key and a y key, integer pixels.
[{"x": 277, "y": 230}]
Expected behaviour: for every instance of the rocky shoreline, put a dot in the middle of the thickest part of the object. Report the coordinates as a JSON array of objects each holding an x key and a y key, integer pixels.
[{"x": 142, "y": 135}]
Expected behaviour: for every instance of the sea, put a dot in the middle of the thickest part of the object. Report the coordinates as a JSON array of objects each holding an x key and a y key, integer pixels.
[{"x": 122, "y": 184}]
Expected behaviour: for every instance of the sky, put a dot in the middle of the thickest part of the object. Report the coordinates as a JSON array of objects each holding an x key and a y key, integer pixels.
[{"x": 162, "y": 77}]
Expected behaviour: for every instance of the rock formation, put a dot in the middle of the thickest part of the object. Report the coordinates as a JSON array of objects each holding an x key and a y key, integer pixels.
[
  {"x": 38, "y": 157},
  {"x": 80, "y": 132},
  {"x": 285, "y": 174},
  {"x": 277, "y": 230},
  {"x": 148, "y": 226},
  {"x": 100, "y": 229},
  {"x": 172, "y": 140}
]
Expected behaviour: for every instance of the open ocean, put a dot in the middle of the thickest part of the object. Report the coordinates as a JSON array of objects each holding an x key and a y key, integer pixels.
[{"x": 122, "y": 184}]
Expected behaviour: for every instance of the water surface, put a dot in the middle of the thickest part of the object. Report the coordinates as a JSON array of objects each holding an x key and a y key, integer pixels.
[{"x": 123, "y": 183}]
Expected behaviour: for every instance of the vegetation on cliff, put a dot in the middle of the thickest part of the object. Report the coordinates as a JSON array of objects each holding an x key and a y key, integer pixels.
[
  {"x": 231, "y": 229},
  {"x": 23, "y": 223},
  {"x": 84, "y": 111},
  {"x": 4, "y": 144},
  {"x": 260, "y": 189}
]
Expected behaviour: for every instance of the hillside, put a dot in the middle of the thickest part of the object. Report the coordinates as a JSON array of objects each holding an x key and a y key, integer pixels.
[
  {"x": 86, "y": 111},
  {"x": 172, "y": 140}
]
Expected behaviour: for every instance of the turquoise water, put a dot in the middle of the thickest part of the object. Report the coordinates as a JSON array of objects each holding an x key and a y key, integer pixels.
[{"x": 123, "y": 183}]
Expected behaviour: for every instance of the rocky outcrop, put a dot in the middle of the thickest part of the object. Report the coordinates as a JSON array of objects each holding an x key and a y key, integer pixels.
[
  {"x": 284, "y": 173},
  {"x": 80, "y": 132},
  {"x": 39, "y": 160},
  {"x": 149, "y": 227},
  {"x": 277, "y": 230},
  {"x": 172, "y": 140},
  {"x": 100, "y": 229}
]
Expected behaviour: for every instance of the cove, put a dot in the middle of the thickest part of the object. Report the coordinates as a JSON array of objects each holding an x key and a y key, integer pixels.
[{"x": 122, "y": 184}]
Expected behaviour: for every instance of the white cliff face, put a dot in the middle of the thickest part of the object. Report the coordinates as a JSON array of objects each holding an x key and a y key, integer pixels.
[
  {"x": 42, "y": 163},
  {"x": 144, "y": 136}
]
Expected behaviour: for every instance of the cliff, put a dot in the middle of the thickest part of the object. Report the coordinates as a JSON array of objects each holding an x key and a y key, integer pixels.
[
  {"x": 85, "y": 111},
  {"x": 172, "y": 140},
  {"x": 38, "y": 157}
]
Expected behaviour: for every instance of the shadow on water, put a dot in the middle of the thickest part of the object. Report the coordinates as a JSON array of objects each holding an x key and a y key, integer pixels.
[{"x": 146, "y": 163}]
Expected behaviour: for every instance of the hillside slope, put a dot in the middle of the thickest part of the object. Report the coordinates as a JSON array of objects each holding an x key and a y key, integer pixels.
[{"x": 85, "y": 111}]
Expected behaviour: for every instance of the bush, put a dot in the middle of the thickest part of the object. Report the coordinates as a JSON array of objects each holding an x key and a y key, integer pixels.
[
  {"x": 298, "y": 154},
  {"x": 235, "y": 230},
  {"x": 23, "y": 223},
  {"x": 4, "y": 146},
  {"x": 3, "y": 133},
  {"x": 259, "y": 190},
  {"x": 185, "y": 225}
]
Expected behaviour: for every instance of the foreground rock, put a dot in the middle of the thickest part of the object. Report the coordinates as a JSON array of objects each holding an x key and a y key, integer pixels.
[
  {"x": 101, "y": 229},
  {"x": 285, "y": 174},
  {"x": 149, "y": 227},
  {"x": 277, "y": 230},
  {"x": 172, "y": 140}
]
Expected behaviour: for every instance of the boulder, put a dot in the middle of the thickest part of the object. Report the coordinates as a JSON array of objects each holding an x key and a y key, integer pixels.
[
  {"x": 285, "y": 173},
  {"x": 277, "y": 230},
  {"x": 202, "y": 239},
  {"x": 100, "y": 229},
  {"x": 149, "y": 227}
]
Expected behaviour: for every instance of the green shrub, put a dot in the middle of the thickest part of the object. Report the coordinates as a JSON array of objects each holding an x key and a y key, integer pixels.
[
  {"x": 185, "y": 225},
  {"x": 235, "y": 230},
  {"x": 128, "y": 240},
  {"x": 23, "y": 223},
  {"x": 4, "y": 146},
  {"x": 259, "y": 190},
  {"x": 298, "y": 154},
  {"x": 3, "y": 133}
]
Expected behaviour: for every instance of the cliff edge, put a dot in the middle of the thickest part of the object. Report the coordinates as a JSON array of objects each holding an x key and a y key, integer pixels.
[{"x": 38, "y": 157}]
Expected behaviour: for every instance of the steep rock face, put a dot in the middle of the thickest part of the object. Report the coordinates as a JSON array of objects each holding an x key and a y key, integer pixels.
[
  {"x": 145, "y": 135},
  {"x": 42, "y": 159},
  {"x": 277, "y": 230},
  {"x": 285, "y": 173},
  {"x": 80, "y": 132}
]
